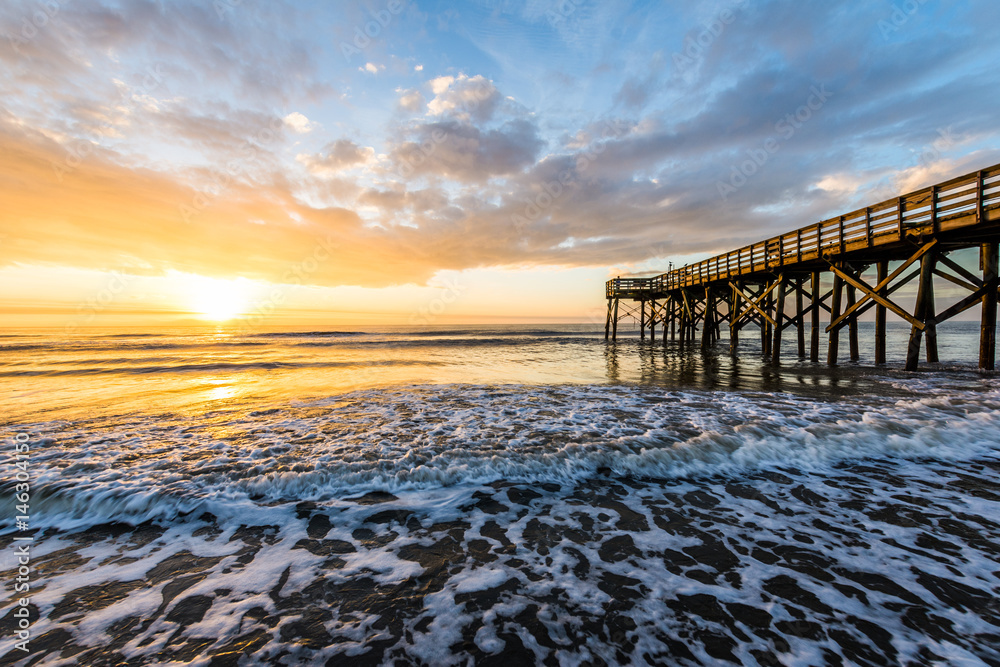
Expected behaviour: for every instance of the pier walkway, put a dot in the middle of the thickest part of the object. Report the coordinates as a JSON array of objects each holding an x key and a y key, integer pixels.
[{"x": 754, "y": 284}]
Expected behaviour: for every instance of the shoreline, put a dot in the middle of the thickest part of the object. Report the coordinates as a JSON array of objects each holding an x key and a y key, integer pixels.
[{"x": 879, "y": 560}]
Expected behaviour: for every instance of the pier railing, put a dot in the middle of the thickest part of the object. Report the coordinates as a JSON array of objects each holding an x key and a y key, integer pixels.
[{"x": 960, "y": 202}]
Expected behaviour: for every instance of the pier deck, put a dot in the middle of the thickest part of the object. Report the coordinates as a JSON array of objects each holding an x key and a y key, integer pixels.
[{"x": 750, "y": 285}]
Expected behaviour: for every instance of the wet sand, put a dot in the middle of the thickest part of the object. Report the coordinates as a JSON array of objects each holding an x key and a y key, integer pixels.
[{"x": 887, "y": 561}]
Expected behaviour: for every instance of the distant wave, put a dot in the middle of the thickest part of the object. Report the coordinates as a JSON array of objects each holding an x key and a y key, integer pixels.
[
  {"x": 60, "y": 346},
  {"x": 441, "y": 342},
  {"x": 495, "y": 333},
  {"x": 214, "y": 366},
  {"x": 309, "y": 334}
]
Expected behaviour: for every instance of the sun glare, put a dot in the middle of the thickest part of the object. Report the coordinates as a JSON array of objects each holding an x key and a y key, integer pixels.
[{"x": 220, "y": 300}]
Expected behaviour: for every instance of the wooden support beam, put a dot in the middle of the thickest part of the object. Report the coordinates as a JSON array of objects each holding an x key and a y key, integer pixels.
[
  {"x": 988, "y": 326},
  {"x": 870, "y": 293},
  {"x": 754, "y": 301},
  {"x": 687, "y": 305},
  {"x": 880, "y": 313},
  {"x": 665, "y": 310},
  {"x": 853, "y": 327},
  {"x": 930, "y": 344},
  {"x": 674, "y": 314},
  {"x": 682, "y": 323},
  {"x": 919, "y": 311},
  {"x": 652, "y": 320},
  {"x": 814, "y": 330},
  {"x": 963, "y": 305},
  {"x": 958, "y": 281},
  {"x": 614, "y": 322},
  {"x": 642, "y": 319},
  {"x": 834, "y": 347},
  {"x": 960, "y": 270},
  {"x": 607, "y": 322},
  {"x": 779, "y": 314},
  {"x": 709, "y": 328},
  {"x": 766, "y": 327},
  {"x": 734, "y": 320},
  {"x": 889, "y": 291},
  {"x": 800, "y": 317}
]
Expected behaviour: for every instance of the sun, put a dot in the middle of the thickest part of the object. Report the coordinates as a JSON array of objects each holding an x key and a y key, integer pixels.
[{"x": 219, "y": 300}]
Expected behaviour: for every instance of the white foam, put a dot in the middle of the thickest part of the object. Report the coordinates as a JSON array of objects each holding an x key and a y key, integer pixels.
[{"x": 425, "y": 438}]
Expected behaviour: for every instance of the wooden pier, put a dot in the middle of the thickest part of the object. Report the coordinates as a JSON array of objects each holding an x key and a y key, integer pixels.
[{"x": 759, "y": 284}]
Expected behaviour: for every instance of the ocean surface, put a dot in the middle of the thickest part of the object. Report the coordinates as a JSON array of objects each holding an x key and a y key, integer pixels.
[{"x": 504, "y": 494}]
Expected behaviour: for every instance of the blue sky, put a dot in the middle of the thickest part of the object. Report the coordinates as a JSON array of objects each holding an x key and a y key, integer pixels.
[{"x": 487, "y": 140}]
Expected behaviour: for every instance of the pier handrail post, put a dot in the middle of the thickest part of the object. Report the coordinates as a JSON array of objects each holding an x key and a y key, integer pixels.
[
  {"x": 934, "y": 215},
  {"x": 868, "y": 226},
  {"x": 899, "y": 219}
]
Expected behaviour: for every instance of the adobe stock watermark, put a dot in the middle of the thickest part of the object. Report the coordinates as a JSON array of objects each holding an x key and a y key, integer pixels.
[
  {"x": 421, "y": 152},
  {"x": 561, "y": 10},
  {"x": 900, "y": 16},
  {"x": 80, "y": 149},
  {"x": 552, "y": 191},
  {"x": 220, "y": 179},
  {"x": 785, "y": 129},
  {"x": 92, "y": 307},
  {"x": 298, "y": 273},
  {"x": 223, "y": 7},
  {"x": 927, "y": 158},
  {"x": 365, "y": 33},
  {"x": 436, "y": 307},
  {"x": 695, "y": 46},
  {"x": 20, "y": 459},
  {"x": 45, "y": 15}
]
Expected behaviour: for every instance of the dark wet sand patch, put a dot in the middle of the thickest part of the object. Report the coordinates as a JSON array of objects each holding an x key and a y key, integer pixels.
[{"x": 876, "y": 563}]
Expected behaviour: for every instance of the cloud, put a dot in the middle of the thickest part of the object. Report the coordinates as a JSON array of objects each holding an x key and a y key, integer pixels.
[
  {"x": 299, "y": 123},
  {"x": 108, "y": 217},
  {"x": 464, "y": 97},
  {"x": 466, "y": 153},
  {"x": 410, "y": 100},
  {"x": 336, "y": 157},
  {"x": 469, "y": 177}
]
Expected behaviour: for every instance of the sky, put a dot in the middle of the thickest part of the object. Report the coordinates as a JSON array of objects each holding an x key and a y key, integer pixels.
[{"x": 418, "y": 162}]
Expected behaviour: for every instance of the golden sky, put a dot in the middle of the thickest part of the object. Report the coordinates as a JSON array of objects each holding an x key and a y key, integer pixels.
[{"x": 261, "y": 163}]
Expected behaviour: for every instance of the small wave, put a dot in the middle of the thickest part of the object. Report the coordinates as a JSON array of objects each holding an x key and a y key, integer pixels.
[
  {"x": 209, "y": 367},
  {"x": 496, "y": 333},
  {"x": 436, "y": 437},
  {"x": 311, "y": 334},
  {"x": 440, "y": 342}
]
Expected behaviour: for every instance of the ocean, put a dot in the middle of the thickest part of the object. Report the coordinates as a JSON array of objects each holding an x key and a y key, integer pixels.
[{"x": 493, "y": 495}]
